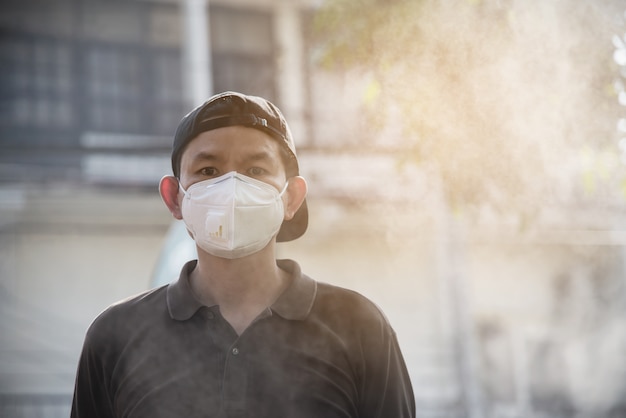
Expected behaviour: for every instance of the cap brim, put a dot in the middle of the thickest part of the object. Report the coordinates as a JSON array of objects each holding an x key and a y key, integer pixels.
[{"x": 296, "y": 226}]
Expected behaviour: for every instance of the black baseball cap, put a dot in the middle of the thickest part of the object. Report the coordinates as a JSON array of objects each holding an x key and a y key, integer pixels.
[{"x": 237, "y": 109}]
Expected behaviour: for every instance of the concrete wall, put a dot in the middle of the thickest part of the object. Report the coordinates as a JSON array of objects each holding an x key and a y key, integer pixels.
[{"x": 66, "y": 254}]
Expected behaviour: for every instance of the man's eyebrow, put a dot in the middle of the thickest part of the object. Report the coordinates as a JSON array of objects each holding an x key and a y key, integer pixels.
[
  {"x": 204, "y": 156},
  {"x": 259, "y": 156}
]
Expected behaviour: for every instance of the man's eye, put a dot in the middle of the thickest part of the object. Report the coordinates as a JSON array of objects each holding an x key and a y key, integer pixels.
[
  {"x": 208, "y": 171},
  {"x": 256, "y": 171}
]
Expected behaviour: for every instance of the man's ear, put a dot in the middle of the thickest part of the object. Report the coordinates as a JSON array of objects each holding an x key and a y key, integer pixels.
[
  {"x": 168, "y": 187},
  {"x": 296, "y": 192}
]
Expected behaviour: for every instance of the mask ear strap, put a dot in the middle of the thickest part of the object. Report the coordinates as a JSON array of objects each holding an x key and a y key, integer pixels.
[
  {"x": 282, "y": 192},
  {"x": 180, "y": 187}
]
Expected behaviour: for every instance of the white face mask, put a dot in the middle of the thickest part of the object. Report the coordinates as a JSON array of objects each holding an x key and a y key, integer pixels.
[{"x": 233, "y": 215}]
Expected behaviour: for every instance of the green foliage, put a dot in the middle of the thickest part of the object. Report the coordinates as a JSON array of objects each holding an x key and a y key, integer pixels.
[{"x": 497, "y": 97}]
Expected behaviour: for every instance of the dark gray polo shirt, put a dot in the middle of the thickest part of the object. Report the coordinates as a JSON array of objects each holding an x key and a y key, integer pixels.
[{"x": 319, "y": 351}]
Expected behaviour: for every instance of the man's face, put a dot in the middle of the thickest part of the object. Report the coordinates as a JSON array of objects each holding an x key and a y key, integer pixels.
[{"x": 235, "y": 148}]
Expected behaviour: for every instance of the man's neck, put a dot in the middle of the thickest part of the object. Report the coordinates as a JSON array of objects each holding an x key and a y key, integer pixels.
[{"x": 241, "y": 287}]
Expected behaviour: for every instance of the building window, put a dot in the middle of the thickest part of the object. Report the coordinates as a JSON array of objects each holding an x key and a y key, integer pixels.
[
  {"x": 36, "y": 83},
  {"x": 113, "y": 81},
  {"x": 242, "y": 43},
  {"x": 55, "y": 85},
  {"x": 167, "y": 91}
]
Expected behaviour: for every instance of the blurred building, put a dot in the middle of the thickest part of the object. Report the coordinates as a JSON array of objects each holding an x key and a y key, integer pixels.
[
  {"x": 82, "y": 80},
  {"x": 90, "y": 94}
]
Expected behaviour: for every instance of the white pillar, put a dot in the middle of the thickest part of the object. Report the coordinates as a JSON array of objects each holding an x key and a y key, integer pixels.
[
  {"x": 290, "y": 67},
  {"x": 197, "y": 77}
]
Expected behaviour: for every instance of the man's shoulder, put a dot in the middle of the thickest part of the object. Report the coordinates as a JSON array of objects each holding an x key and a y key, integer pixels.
[
  {"x": 130, "y": 313},
  {"x": 333, "y": 293},
  {"x": 348, "y": 305}
]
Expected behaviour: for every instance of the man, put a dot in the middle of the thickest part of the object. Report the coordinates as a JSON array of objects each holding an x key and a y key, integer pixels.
[{"x": 241, "y": 334}]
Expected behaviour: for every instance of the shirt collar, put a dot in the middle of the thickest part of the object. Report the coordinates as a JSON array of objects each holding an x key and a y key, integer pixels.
[
  {"x": 181, "y": 302},
  {"x": 297, "y": 300},
  {"x": 294, "y": 303}
]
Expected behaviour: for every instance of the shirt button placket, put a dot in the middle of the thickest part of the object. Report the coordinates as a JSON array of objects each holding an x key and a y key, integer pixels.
[{"x": 235, "y": 380}]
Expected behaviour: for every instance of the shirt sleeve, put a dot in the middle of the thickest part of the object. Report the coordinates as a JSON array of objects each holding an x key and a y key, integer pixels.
[
  {"x": 386, "y": 389},
  {"x": 91, "y": 391}
]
